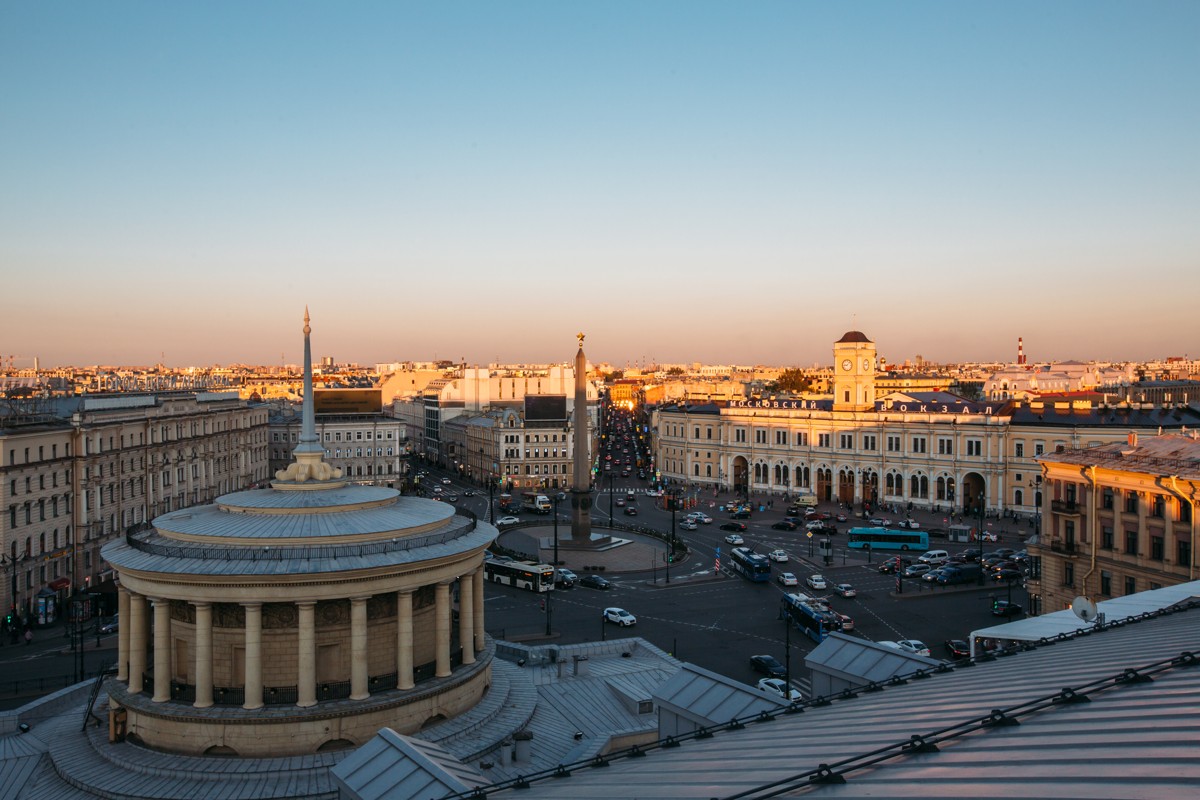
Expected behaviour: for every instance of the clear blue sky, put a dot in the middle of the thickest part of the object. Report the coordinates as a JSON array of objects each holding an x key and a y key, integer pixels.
[{"x": 684, "y": 181}]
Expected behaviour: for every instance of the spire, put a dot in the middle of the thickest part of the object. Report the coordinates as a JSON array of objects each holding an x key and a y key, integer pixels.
[{"x": 308, "y": 425}]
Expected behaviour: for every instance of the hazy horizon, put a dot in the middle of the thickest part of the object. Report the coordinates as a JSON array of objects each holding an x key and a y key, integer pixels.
[{"x": 714, "y": 182}]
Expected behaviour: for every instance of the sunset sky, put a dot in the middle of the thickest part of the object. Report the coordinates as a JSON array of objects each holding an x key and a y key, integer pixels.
[{"x": 683, "y": 181}]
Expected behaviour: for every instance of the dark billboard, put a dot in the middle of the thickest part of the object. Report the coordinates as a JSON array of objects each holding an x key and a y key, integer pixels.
[
  {"x": 347, "y": 401},
  {"x": 545, "y": 407}
]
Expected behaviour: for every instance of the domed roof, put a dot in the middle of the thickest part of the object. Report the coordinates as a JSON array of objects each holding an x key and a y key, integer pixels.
[{"x": 854, "y": 336}]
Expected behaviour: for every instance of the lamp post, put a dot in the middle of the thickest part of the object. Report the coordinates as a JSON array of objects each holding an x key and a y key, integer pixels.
[
  {"x": 979, "y": 534},
  {"x": 611, "y": 518},
  {"x": 1036, "y": 485},
  {"x": 787, "y": 654},
  {"x": 671, "y": 547},
  {"x": 556, "y": 534}
]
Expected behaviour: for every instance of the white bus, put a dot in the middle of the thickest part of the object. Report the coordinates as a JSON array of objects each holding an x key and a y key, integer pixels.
[{"x": 521, "y": 574}]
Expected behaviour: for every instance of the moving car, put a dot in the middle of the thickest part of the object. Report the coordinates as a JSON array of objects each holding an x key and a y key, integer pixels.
[
  {"x": 1003, "y": 608},
  {"x": 734, "y": 538},
  {"x": 957, "y": 648},
  {"x": 701, "y": 517},
  {"x": 779, "y": 687},
  {"x": 787, "y": 579},
  {"x": 768, "y": 665},
  {"x": 631, "y": 511},
  {"x": 879, "y": 522},
  {"x": 733, "y": 526},
  {"x": 565, "y": 578},
  {"x": 445, "y": 481},
  {"x": 778, "y": 555},
  {"x": 740, "y": 515},
  {"x": 112, "y": 626},
  {"x": 845, "y": 590},
  {"x": 784, "y": 525},
  {"x": 594, "y": 582},
  {"x": 846, "y": 620},
  {"x": 916, "y": 570},
  {"x": 689, "y": 525},
  {"x": 816, "y": 581},
  {"x": 620, "y": 617},
  {"x": 510, "y": 520}
]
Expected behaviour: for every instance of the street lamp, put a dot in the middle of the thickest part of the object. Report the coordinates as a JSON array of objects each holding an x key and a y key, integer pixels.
[
  {"x": 556, "y": 534},
  {"x": 1036, "y": 485},
  {"x": 979, "y": 533}
]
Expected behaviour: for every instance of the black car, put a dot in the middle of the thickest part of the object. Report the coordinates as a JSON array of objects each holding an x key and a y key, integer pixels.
[
  {"x": 889, "y": 567},
  {"x": 740, "y": 515},
  {"x": 768, "y": 665},
  {"x": 734, "y": 526},
  {"x": 970, "y": 555},
  {"x": 824, "y": 528},
  {"x": 1003, "y": 608},
  {"x": 594, "y": 582},
  {"x": 957, "y": 648},
  {"x": 631, "y": 511},
  {"x": 784, "y": 525},
  {"x": 1007, "y": 575}
]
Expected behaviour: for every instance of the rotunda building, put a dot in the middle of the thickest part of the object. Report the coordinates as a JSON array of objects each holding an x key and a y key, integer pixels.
[{"x": 299, "y": 618}]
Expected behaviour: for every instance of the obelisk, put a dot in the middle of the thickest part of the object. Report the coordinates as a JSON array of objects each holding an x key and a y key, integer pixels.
[{"x": 581, "y": 490}]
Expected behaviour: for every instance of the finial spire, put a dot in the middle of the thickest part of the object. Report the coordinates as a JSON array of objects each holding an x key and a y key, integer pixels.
[{"x": 579, "y": 336}]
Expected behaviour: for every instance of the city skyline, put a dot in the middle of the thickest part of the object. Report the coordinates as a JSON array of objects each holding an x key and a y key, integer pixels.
[{"x": 701, "y": 182}]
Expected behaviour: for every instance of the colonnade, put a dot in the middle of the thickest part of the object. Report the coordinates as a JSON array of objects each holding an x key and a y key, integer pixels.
[{"x": 134, "y": 636}]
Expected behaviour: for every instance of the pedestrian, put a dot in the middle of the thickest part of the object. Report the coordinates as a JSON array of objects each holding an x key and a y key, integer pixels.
[{"x": 28, "y": 636}]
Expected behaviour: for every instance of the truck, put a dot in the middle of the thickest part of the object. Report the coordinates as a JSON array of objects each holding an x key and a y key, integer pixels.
[
  {"x": 535, "y": 502},
  {"x": 805, "y": 499},
  {"x": 508, "y": 505}
]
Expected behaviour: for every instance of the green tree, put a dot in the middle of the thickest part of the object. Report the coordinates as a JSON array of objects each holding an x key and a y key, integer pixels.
[
  {"x": 675, "y": 371},
  {"x": 793, "y": 381}
]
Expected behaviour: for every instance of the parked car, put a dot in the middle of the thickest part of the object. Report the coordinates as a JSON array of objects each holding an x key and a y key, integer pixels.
[
  {"x": 768, "y": 665},
  {"x": 620, "y": 617},
  {"x": 784, "y": 525},
  {"x": 845, "y": 590},
  {"x": 957, "y": 648},
  {"x": 779, "y": 687},
  {"x": 787, "y": 579},
  {"x": 911, "y": 524},
  {"x": 778, "y": 555},
  {"x": 595, "y": 582},
  {"x": 816, "y": 581},
  {"x": 734, "y": 538},
  {"x": 733, "y": 526},
  {"x": 509, "y": 520},
  {"x": 1003, "y": 608}
]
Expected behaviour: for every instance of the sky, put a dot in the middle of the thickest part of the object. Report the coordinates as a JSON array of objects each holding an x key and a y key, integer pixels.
[{"x": 683, "y": 181}]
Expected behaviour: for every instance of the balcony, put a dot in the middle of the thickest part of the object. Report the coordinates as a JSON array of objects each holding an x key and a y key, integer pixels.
[
  {"x": 1066, "y": 507},
  {"x": 1066, "y": 548}
]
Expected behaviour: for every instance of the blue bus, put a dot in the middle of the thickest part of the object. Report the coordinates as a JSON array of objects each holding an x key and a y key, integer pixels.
[
  {"x": 887, "y": 539},
  {"x": 751, "y": 565},
  {"x": 810, "y": 615}
]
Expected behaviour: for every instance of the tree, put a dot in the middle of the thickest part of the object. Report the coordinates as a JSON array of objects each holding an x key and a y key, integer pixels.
[
  {"x": 675, "y": 371},
  {"x": 793, "y": 381}
]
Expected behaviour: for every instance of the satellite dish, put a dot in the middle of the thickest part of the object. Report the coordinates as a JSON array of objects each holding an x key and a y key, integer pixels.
[{"x": 1084, "y": 608}]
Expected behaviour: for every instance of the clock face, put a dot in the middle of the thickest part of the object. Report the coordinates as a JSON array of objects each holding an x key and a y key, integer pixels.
[
  {"x": 867, "y": 364},
  {"x": 846, "y": 365}
]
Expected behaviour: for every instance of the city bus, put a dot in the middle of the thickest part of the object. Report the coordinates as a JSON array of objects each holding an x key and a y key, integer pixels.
[
  {"x": 811, "y": 616},
  {"x": 521, "y": 574},
  {"x": 887, "y": 539},
  {"x": 751, "y": 565}
]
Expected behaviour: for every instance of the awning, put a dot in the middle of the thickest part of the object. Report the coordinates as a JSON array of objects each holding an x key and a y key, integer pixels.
[{"x": 58, "y": 584}]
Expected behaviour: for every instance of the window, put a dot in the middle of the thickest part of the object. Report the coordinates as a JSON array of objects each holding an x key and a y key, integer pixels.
[
  {"x": 1106, "y": 537},
  {"x": 919, "y": 445},
  {"x": 1156, "y": 548},
  {"x": 1183, "y": 552},
  {"x": 945, "y": 446},
  {"x": 1038, "y": 449},
  {"x": 1068, "y": 574},
  {"x": 801, "y": 438},
  {"x": 760, "y": 436},
  {"x": 1131, "y": 542},
  {"x": 868, "y": 441},
  {"x": 975, "y": 447},
  {"x": 1131, "y": 502},
  {"x": 780, "y": 437},
  {"x": 1019, "y": 449},
  {"x": 1158, "y": 507},
  {"x": 893, "y": 443},
  {"x": 846, "y": 441},
  {"x": 1130, "y": 584},
  {"x": 739, "y": 435},
  {"x": 1105, "y": 583},
  {"x": 1106, "y": 498},
  {"x": 824, "y": 440},
  {"x": 696, "y": 432}
]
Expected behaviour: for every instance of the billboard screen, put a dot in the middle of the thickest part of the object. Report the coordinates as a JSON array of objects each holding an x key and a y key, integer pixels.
[
  {"x": 545, "y": 407},
  {"x": 347, "y": 401}
]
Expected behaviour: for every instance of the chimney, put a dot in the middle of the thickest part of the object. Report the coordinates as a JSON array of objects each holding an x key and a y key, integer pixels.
[
  {"x": 1020, "y": 351},
  {"x": 1132, "y": 439}
]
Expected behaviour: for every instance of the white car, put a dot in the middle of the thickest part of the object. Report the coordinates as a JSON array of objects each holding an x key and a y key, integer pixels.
[
  {"x": 787, "y": 579},
  {"x": 778, "y": 555},
  {"x": 915, "y": 646},
  {"x": 815, "y": 525},
  {"x": 703, "y": 518},
  {"x": 845, "y": 590},
  {"x": 777, "y": 686},
  {"x": 879, "y": 522},
  {"x": 620, "y": 616},
  {"x": 508, "y": 520},
  {"x": 735, "y": 538},
  {"x": 445, "y": 481},
  {"x": 816, "y": 581},
  {"x": 847, "y": 621},
  {"x": 689, "y": 525},
  {"x": 911, "y": 524}
]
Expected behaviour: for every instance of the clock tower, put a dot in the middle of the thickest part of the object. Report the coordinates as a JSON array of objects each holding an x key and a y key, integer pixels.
[{"x": 853, "y": 373}]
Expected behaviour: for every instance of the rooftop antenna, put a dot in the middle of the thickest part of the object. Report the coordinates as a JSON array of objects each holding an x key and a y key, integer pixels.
[{"x": 1086, "y": 610}]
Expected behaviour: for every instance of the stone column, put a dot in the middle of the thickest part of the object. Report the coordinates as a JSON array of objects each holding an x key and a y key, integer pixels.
[
  {"x": 204, "y": 653},
  {"x": 466, "y": 617},
  {"x": 306, "y": 669},
  {"x": 123, "y": 635},
  {"x": 253, "y": 685},
  {"x": 404, "y": 640},
  {"x": 162, "y": 650},
  {"x": 358, "y": 649},
  {"x": 137, "y": 641},
  {"x": 479, "y": 634},
  {"x": 441, "y": 616}
]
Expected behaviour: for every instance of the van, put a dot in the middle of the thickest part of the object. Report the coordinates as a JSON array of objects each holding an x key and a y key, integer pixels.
[
  {"x": 959, "y": 573},
  {"x": 935, "y": 558}
]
